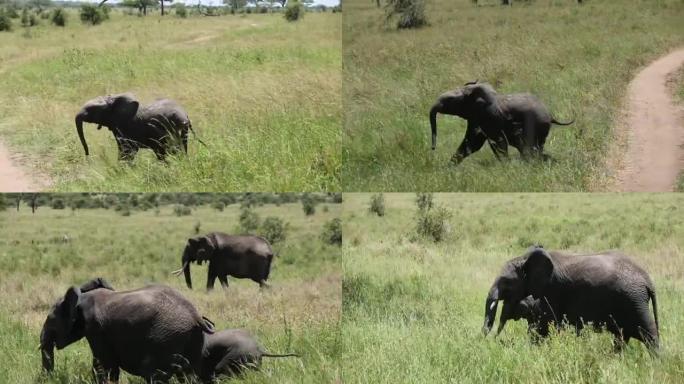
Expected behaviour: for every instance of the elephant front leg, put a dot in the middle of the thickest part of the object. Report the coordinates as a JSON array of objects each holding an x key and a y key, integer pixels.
[
  {"x": 224, "y": 281},
  {"x": 211, "y": 278},
  {"x": 472, "y": 142},
  {"x": 104, "y": 375}
]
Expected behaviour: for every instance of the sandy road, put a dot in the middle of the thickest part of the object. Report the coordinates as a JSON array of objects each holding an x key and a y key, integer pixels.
[
  {"x": 654, "y": 125},
  {"x": 12, "y": 177}
]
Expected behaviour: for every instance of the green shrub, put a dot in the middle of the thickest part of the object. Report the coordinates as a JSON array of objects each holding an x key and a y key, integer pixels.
[
  {"x": 25, "y": 18},
  {"x": 377, "y": 204},
  {"x": 44, "y": 15},
  {"x": 57, "y": 204},
  {"x": 91, "y": 14},
  {"x": 181, "y": 11},
  {"x": 332, "y": 232},
  {"x": 294, "y": 10},
  {"x": 105, "y": 11},
  {"x": 309, "y": 205},
  {"x": 249, "y": 220},
  {"x": 182, "y": 210},
  {"x": 274, "y": 229},
  {"x": 5, "y": 21},
  {"x": 424, "y": 201},
  {"x": 409, "y": 13},
  {"x": 218, "y": 205},
  {"x": 433, "y": 223}
]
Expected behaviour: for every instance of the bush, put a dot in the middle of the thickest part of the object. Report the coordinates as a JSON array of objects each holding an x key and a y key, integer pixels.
[
  {"x": 377, "y": 204},
  {"x": 25, "y": 18},
  {"x": 181, "y": 11},
  {"x": 263, "y": 10},
  {"x": 105, "y": 11},
  {"x": 332, "y": 232},
  {"x": 309, "y": 205},
  {"x": 274, "y": 229},
  {"x": 182, "y": 210},
  {"x": 249, "y": 220},
  {"x": 294, "y": 10},
  {"x": 218, "y": 205},
  {"x": 424, "y": 201},
  {"x": 91, "y": 14},
  {"x": 57, "y": 204},
  {"x": 411, "y": 13},
  {"x": 433, "y": 223},
  {"x": 5, "y": 21}
]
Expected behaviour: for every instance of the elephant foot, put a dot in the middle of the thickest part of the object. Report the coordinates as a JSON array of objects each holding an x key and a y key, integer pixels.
[{"x": 456, "y": 159}]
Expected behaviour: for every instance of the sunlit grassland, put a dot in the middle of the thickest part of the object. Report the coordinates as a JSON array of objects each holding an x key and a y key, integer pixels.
[
  {"x": 264, "y": 94},
  {"x": 578, "y": 59},
  {"x": 300, "y": 313},
  {"x": 413, "y": 309}
]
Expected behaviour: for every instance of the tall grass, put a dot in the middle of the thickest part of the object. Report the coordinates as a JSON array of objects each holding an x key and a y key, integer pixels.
[
  {"x": 264, "y": 95},
  {"x": 577, "y": 58},
  {"x": 413, "y": 309},
  {"x": 299, "y": 313}
]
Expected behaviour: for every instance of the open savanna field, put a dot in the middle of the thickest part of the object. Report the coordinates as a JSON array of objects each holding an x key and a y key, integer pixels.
[
  {"x": 263, "y": 93},
  {"x": 300, "y": 313},
  {"x": 413, "y": 309},
  {"x": 578, "y": 59}
]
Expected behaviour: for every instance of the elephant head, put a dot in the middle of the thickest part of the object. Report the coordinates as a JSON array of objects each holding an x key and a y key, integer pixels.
[
  {"x": 110, "y": 111},
  {"x": 465, "y": 102},
  {"x": 198, "y": 249},
  {"x": 521, "y": 277},
  {"x": 64, "y": 324}
]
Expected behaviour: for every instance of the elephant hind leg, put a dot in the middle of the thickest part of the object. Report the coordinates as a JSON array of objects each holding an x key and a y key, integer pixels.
[{"x": 224, "y": 281}]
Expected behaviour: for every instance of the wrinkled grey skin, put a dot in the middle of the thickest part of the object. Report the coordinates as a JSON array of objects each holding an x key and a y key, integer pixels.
[
  {"x": 230, "y": 352},
  {"x": 152, "y": 332},
  {"x": 519, "y": 119},
  {"x": 243, "y": 256},
  {"x": 529, "y": 309},
  {"x": 161, "y": 126},
  {"x": 606, "y": 289}
]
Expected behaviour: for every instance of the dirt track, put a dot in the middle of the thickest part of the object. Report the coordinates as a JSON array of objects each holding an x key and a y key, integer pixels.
[
  {"x": 654, "y": 125},
  {"x": 13, "y": 178}
]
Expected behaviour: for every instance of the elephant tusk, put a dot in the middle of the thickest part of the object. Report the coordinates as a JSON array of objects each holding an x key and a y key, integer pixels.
[{"x": 492, "y": 305}]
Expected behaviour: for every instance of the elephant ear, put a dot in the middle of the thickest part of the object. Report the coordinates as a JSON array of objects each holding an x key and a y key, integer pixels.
[
  {"x": 481, "y": 91},
  {"x": 538, "y": 269},
  {"x": 69, "y": 307},
  {"x": 124, "y": 106}
]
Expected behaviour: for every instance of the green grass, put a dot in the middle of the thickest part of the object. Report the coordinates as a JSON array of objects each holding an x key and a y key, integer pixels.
[
  {"x": 678, "y": 88},
  {"x": 300, "y": 313},
  {"x": 577, "y": 59},
  {"x": 264, "y": 94},
  {"x": 413, "y": 309}
]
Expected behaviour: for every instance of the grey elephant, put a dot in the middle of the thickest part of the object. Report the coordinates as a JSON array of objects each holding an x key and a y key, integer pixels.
[
  {"x": 161, "y": 126},
  {"x": 152, "y": 332},
  {"x": 230, "y": 352},
  {"x": 529, "y": 309},
  {"x": 606, "y": 289},
  {"x": 518, "y": 119},
  {"x": 242, "y": 256}
]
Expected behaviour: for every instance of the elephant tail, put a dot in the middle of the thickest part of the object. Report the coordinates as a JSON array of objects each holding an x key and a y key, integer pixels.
[
  {"x": 554, "y": 121},
  {"x": 277, "y": 355},
  {"x": 195, "y": 134},
  {"x": 207, "y": 325},
  {"x": 652, "y": 295}
]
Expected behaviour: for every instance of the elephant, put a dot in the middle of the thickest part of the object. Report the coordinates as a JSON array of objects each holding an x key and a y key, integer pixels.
[
  {"x": 161, "y": 126},
  {"x": 529, "y": 309},
  {"x": 152, "y": 332},
  {"x": 243, "y": 256},
  {"x": 518, "y": 119},
  {"x": 607, "y": 289},
  {"x": 230, "y": 352}
]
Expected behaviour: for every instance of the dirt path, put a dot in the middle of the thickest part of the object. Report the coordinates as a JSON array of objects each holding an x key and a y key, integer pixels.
[
  {"x": 13, "y": 178},
  {"x": 654, "y": 125}
]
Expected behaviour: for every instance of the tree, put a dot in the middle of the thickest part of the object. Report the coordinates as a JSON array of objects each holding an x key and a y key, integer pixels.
[
  {"x": 235, "y": 4},
  {"x": 40, "y": 5},
  {"x": 162, "y": 5},
  {"x": 140, "y": 4}
]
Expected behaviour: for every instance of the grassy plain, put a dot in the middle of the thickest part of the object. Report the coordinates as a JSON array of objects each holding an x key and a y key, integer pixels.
[
  {"x": 577, "y": 58},
  {"x": 264, "y": 94},
  {"x": 300, "y": 313},
  {"x": 414, "y": 309}
]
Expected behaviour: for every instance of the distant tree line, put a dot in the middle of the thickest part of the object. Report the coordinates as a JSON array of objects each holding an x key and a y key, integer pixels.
[{"x": 145, "y": 201}]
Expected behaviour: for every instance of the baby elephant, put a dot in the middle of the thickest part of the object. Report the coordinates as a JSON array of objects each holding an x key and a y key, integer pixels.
[
  {"x": 161, "y": 126},
  {"x": 230, "y": 352},
  {"x": 518, "y": 119}
]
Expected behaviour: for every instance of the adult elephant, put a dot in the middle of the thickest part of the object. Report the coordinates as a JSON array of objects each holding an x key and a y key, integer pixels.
[
  {"x": 606, "y": 289},
  {"x": 242, "y": 257},
  {"x": 161, "y": 126},
  {"x": 519, "y": 119},
  {"x": 152, "y": 332}
]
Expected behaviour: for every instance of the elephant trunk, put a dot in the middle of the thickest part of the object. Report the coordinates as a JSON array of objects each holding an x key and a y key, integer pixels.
[
  {"x": 47, "y": 350},
  {"x": 433, "y": 122},
  {"x": 490, "y": 309},
  {"x": 79, "y": 129},
  {"x": 507, "y": 313},
  {"x": 186, "y": 267}
]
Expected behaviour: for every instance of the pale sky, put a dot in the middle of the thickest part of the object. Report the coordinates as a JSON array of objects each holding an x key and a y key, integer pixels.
[{"x": 329, "y": 3}]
